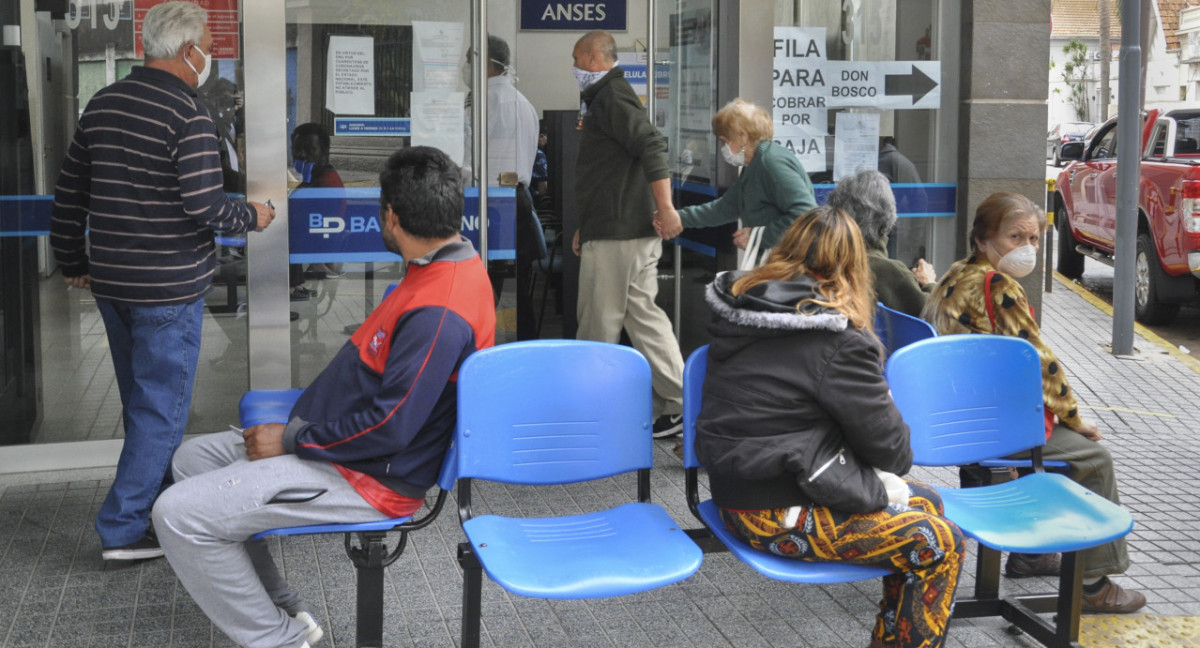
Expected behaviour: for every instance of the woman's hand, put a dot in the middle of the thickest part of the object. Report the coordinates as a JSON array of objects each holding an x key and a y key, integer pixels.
[
  {"x": 1090, "y": 430},
  {"x": 575, "y": 247},
  {"x": 924, "y": 272},
  {"x": 741, "y": 238}
]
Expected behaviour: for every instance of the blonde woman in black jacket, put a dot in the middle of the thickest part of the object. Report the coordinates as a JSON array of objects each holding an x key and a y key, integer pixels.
[{"x": 800, "y": 437}]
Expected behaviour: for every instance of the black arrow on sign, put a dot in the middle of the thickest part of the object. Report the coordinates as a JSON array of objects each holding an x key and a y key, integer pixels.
[{"x": 918, "y": 84}]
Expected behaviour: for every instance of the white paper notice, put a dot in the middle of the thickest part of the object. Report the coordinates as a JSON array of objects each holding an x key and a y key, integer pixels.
[
  {"x": 350, "y": 75},
  {"x": 439, "y": 48},
  {"x": 800, "y": 114},
  {"x": 437, "y": 121},
  {"x": 855, "y": 144}
]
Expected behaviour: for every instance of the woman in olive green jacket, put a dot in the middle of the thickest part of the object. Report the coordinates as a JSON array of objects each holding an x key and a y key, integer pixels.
[{"x": 773, "y": 188}]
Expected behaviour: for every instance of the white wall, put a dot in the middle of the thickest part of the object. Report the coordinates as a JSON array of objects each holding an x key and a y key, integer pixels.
[
  {"x": 1059, "y": 108},
  {"x": 1162, "y": 82},
  {"x": 543, "y": 58}
]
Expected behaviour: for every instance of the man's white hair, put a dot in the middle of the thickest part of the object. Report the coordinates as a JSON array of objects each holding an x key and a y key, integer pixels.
[{"x": 169, "y": 26}]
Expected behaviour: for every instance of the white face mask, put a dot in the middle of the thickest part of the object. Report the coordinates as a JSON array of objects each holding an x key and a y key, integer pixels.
[
  {"x": 734, "y": 159},
  {"x": 201, "y": 77},
  {"x": 1019, "y": 261},
  {"x": 585, "y": 78}
]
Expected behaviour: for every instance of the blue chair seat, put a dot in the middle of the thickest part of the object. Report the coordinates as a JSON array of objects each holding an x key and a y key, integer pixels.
[
  {"x": 380, "y": 525},
  {"x": 1038, "y": 513},
  {"x": 624, "y": 550},
  {"x": 778, "y": 567},
  {"x": 371, "y": 555},
  {"x": 775, "y": 567},
  {"x": 1053, "y": 464}
]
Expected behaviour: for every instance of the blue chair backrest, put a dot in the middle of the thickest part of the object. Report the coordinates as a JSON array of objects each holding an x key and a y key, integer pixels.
[
  {"x": 693, "y": 396},
  {"x": 449, "y": 471},
  {"x": 967, "y": 398},
  {"x": 896, "y": 329},
  {"x": 553, "y": 412},
  {"x": 267, "y": 406}
]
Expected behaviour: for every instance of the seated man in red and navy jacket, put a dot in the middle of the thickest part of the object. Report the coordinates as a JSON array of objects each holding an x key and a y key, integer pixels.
[{"x": 364, "y": 441}]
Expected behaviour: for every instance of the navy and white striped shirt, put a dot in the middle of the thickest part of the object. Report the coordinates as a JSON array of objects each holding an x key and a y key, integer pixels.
[{"x": 143, "y": 177}]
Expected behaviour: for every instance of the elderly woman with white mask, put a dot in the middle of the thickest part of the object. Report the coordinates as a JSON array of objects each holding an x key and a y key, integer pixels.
[
  {"x": 772, "y": 190},
  {"x": 980, "y": 294}
]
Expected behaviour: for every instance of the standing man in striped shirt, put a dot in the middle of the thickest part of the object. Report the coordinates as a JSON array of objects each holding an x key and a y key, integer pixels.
[{"x": 143, "y": 174}]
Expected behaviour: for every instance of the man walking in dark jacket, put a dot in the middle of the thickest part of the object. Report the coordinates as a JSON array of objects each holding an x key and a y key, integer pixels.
[
  {"x": 142, "y": 179},
  {"x": 364, "y": 441},
  {"x": 623, "y": 193}
]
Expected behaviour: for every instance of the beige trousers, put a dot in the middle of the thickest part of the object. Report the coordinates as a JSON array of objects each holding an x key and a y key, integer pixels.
[{"x": 618, "y": 281}]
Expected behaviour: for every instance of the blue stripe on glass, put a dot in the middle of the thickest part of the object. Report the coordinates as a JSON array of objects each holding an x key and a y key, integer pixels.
[
  {"x": 693, "y": 187},
  {"x": 27, "y": 215},
  {"x": 913, "y": 200}
]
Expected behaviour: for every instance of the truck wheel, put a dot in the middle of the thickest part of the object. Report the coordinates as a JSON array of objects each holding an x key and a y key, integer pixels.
[
  {"x": 1146, "y": 307},
  {"x": 1070, "y": 262}
]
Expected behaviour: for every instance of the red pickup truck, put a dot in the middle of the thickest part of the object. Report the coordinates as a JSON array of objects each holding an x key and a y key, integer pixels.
[{"x": 1168, "y": 230}]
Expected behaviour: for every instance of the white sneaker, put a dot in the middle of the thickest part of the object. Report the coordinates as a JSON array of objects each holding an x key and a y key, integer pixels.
[{"x": 314, "y": 632}]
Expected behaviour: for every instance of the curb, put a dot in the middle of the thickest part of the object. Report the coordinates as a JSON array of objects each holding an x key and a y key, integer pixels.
[{"x": 1150, "y": 336}]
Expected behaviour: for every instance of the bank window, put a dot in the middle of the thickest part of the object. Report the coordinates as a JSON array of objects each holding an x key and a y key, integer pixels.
[{"x": 859, "y": 86}]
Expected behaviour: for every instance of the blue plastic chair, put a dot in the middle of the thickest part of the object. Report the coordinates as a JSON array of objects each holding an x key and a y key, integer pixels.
[
  {"x": 370, "y": 556},
  {"x": 967, "y": 398},
  {"x": 558, "y": 412},
  {"x": 896, "y": 329},
  {"x": 769, "y": 565}
]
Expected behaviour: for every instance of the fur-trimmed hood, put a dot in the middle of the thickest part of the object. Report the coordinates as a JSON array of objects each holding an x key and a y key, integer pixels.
[{"x": 770, "y": 308}]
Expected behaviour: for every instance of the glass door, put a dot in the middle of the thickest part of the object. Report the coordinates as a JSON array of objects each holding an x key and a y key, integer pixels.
[
  {"x": 364, "y": 79},
  {"x": 276, "y": 66}
]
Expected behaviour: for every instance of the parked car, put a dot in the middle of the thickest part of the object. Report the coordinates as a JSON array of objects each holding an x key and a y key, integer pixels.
[
  {"x": 1063, "y": 133},
  {"x": 1168, "y": 227}
]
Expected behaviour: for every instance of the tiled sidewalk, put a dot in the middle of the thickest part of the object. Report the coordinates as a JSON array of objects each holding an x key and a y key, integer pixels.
[{"x": 57, "y": 593}]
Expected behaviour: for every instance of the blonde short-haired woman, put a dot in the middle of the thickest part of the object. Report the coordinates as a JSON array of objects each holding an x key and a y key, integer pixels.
[{"x": 773, "y": 188}]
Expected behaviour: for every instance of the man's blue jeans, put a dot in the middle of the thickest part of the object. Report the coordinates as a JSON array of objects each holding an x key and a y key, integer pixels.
[{"x": 154, "y": 352}]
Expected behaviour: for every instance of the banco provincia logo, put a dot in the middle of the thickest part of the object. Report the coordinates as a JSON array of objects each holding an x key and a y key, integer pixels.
[{"x": 326, "y": 225}]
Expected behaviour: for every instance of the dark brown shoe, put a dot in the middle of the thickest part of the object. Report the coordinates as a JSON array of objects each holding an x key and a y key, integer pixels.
[
  {"x": 1112, "y": 599},
  {"x": 1021, "y": 565}
]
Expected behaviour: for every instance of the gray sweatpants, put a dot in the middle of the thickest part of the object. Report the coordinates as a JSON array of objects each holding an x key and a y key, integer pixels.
[{"x": 218, "y": 501}]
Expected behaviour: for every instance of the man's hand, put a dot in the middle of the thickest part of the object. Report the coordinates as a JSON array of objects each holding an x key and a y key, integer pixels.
[
  {"x": 81, "y": 282},
  {"x": 265, "y": 214},
  {"x": 1090, "y": 430},
  {"x": 575, "y": 246},
  {"x": 264, "y": 441},
  {"x": 741, "y": 238},
  {"x": 667, "y": 223},
  {"x": 924, "y": 272}
]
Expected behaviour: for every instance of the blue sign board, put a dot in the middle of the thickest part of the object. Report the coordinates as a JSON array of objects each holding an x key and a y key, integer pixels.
[
  {"x": 342, "y": 225},
  {"x": 372, "y": 126},
  {"x": 577, "y": 15}
]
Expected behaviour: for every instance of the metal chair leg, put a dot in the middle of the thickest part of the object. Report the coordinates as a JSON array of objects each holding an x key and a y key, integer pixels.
[{"x": 472, "y": 589}]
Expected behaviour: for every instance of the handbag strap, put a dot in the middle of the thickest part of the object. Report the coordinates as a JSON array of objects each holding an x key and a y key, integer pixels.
[{"x": 987, "y": 297}]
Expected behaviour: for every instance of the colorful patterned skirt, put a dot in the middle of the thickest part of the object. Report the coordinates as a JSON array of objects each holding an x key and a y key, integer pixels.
[{"x": 923, "y": 550}]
